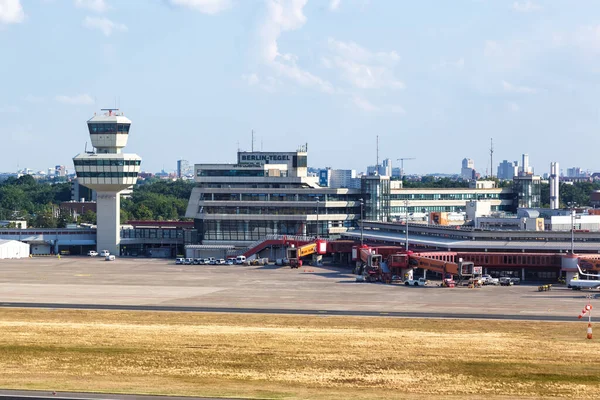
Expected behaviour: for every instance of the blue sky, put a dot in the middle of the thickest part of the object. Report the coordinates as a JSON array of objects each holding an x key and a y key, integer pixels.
[{"x": 434, "y": 79}]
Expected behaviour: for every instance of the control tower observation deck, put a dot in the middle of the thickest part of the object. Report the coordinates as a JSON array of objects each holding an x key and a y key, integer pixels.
[{"x": 108, "y": 171}]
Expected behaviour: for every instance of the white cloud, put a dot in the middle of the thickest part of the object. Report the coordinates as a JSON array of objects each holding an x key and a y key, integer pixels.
[
  {"x": 369, "y": 107},
  {"x": 105, "y": 25},
  {"x": 98, "y": 6},
  {"x": 204, "y": 6},
  {"x": 283, "y": 16},
  {"x": 251, "y": 79},
  {"x": 81, "y": 99},
  {"x": 334, "y": 5},
  {"x": 509, "y": 87},
  {"x": 268, "y": 84},
  {"x": 11, "y": 12},
  {"x": 526, "y": 6},
  {"x": 362, "y": 68}
]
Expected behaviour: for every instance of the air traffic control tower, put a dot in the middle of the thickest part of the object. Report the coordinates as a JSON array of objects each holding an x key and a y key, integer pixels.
[{"x": 108, "y": 171}]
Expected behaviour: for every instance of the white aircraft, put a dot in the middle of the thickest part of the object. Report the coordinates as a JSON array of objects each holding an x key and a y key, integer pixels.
[{"x": 578, "y": 284}]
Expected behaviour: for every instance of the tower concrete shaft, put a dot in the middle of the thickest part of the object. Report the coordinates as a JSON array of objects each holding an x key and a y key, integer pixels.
[{"x": 108, "y": 171}]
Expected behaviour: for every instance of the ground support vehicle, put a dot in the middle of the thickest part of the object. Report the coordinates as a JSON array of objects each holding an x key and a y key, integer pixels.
[
  {"x": 416, "y": 282},
  {"x": 294, "y": 254}
]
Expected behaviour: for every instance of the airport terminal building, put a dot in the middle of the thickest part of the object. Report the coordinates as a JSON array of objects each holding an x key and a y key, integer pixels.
[
  {"x": 271, "y": 193},
  {"x": 267, "y": 193}
]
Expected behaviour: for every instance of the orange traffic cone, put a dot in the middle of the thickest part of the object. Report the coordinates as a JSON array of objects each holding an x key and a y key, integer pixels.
[{"x": 589, "y": 331}]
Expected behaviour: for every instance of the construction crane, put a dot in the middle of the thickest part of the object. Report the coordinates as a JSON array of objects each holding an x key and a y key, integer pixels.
[{"x": 402, "y": 159}]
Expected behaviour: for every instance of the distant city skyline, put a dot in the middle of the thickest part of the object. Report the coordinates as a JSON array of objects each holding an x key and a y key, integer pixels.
[{"x": 196, "y": 76}]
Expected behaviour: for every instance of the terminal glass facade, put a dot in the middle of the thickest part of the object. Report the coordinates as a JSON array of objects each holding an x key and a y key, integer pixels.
[
  {"x": 527, "y": 192},
  {"x": 376, "y": 190},
  {"x": 451, "y": 196},
  {"x": 240, "y": 173},
  {"x": 253, "y": 230}
]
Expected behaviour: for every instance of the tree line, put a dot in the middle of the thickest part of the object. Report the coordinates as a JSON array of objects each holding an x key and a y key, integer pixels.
[{"x": 38, "y": 202}]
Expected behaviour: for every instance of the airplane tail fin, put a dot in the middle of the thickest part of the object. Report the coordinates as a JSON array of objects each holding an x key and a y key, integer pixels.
[{"x": 584, "y": 274}]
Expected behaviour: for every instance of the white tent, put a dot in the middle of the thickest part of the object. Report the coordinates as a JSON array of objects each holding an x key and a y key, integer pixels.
[{"x": 13, "y": 249}]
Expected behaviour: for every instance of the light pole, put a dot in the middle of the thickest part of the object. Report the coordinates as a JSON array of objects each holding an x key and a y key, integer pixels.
[
  {"x": 572, "y": 206},
  {"x": 317, "y": 198},
  {"x": 361, "y": 222},
  {"x": 406, "y": 222}
]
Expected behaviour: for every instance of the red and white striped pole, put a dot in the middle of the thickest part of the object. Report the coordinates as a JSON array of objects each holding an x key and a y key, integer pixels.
[
  {"x": 587, "y": 310},
  {"x": 589, "y": 329}
]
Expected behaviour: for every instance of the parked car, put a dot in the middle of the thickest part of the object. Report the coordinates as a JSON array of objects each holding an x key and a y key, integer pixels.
[
  {"x": 104, "y": 253},
  {"x": 109, "y": 257},
  {"x": 515, "y": 281},
  {"x": 221, "y": 261},
  {"x": 92, "y": 253},
  {"x": 212, "y": 261},
  {"x": 505, "y": 281},
  {"x": 229, "y": 261},
  {"x": 198, "y": 261},
  {"x": 240, "y": 260},
  {"x": 179, "y": 261},
  {"x": 488, "y": 280}
]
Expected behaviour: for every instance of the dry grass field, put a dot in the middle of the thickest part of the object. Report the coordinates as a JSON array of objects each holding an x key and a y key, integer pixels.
[{"x": 294, "y": 357}]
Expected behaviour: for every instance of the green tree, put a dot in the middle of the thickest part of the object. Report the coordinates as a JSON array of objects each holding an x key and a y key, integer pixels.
[
  {"x": 64, "y": 218},
  {"x": 144, "y": 213},
  {"x": 45, "y": 218},
  {"x": 26, "y": 180},
  {"x": 88, "y": 217}
]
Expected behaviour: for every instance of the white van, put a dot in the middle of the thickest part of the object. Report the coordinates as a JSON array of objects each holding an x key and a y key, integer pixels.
[{"x": 240, "y": 260}]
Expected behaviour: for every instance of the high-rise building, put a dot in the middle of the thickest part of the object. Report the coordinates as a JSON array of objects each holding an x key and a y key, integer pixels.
[
  {"x": 525, "y": 168},
  {"x": 554, "y": 186},
  {"x": 60, "y": 170},
  {"x": 467, "y": 172},
  {"x": 108, "y": 171},
  {"x": 507, "y": 170},
  {"x": 344, "y": 178},
  {"x": 387, "y": 167},
  {"x": 183, "y": 168},
  {"x": 575, "y": 172}
]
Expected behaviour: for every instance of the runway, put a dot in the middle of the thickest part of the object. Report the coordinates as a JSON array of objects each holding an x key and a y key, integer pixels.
[
  {"x": 279, "y": 311},
  {"x": 46, "y": 394}
]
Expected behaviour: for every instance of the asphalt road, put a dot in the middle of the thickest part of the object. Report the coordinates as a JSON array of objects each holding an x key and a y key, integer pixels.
[{"x": 355, "y": 313}]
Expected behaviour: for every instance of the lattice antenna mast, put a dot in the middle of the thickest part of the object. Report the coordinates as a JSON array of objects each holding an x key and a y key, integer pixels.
[{"x": 492, "y": 157}]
